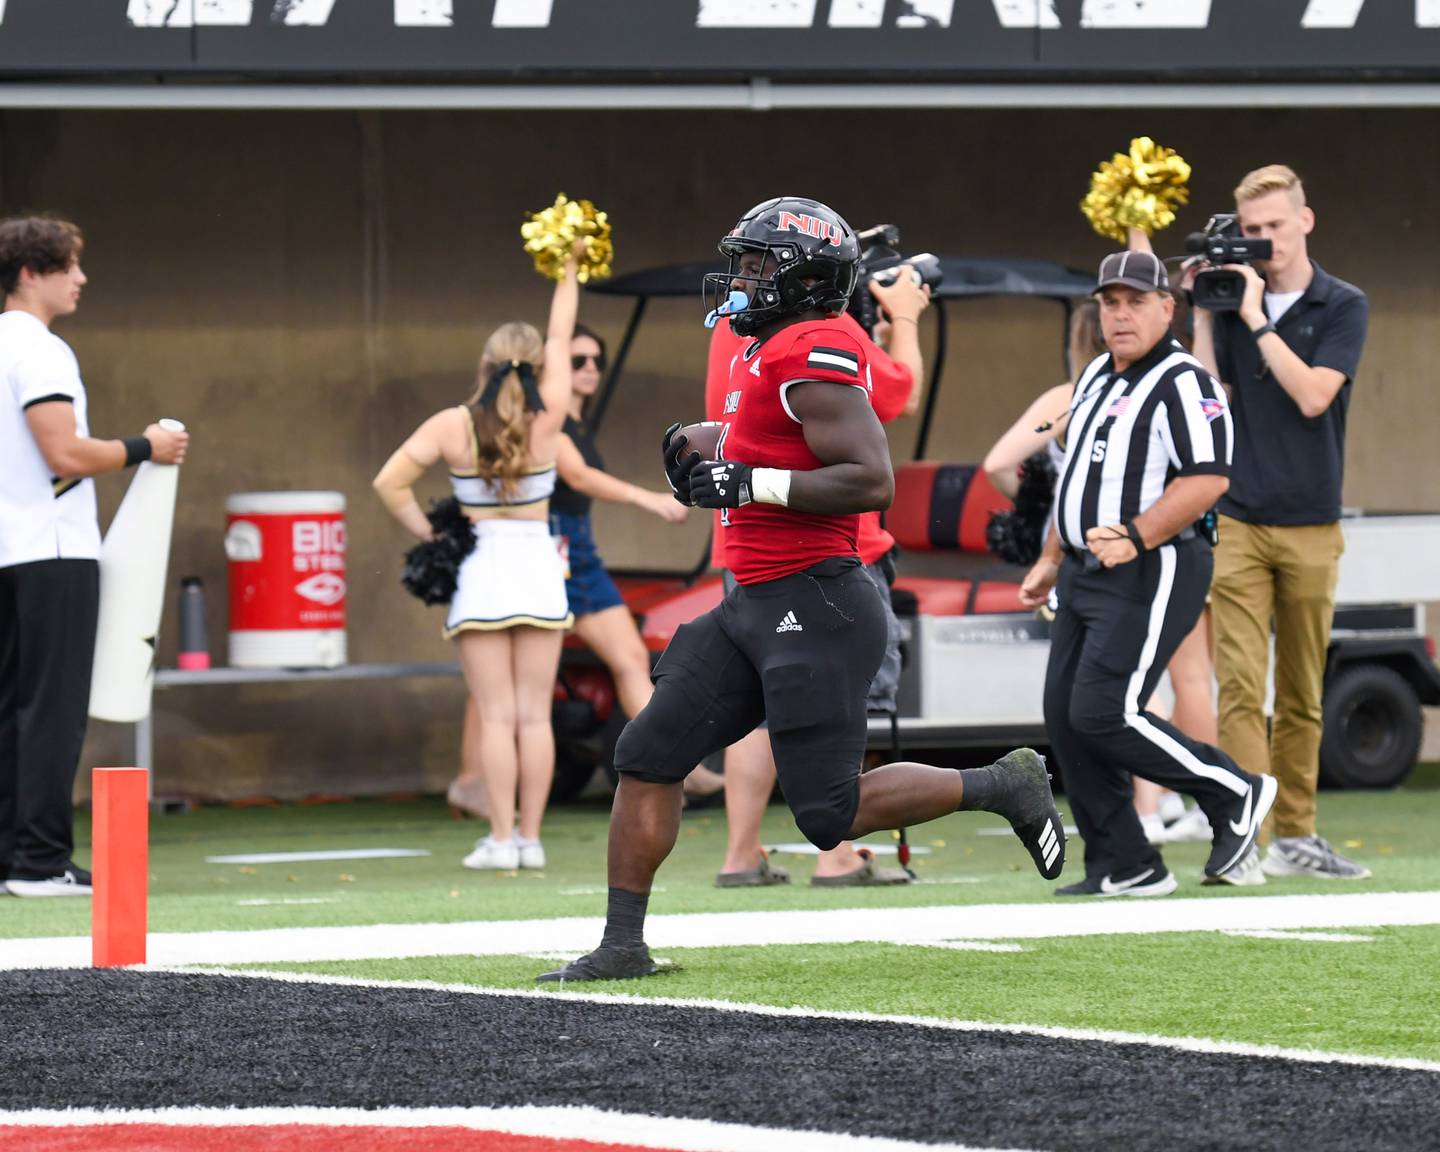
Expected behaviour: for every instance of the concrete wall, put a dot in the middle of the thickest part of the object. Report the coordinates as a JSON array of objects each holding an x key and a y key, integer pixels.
[{"x": 303, "y": 288}]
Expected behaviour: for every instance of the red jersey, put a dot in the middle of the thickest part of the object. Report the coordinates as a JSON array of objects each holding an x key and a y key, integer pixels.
[
  {"x": 767, "y": 541},
  {"x": 890, "y": 387}
]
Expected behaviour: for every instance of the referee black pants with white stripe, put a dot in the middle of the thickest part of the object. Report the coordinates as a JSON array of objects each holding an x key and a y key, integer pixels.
[
  {"x": 48, "y": 612},
  {"x": 1113, "y": 635}
]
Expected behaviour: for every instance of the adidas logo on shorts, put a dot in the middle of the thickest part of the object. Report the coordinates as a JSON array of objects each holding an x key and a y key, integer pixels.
[{"x": 789, "y": 624}]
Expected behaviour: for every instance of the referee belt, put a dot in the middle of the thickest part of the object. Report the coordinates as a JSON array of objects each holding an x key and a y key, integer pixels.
[{"x": 1082, "y": 555}]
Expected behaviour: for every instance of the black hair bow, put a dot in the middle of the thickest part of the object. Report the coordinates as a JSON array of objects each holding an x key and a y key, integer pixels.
[{"x": 531, "y": 386}]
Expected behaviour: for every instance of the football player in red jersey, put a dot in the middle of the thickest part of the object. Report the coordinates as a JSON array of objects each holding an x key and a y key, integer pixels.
[
  {"x": 897, "y": 368},
  {"x": 799, "y": 639}
]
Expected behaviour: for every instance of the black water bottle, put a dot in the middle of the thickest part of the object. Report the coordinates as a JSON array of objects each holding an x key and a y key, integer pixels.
[{"x": 194, "y": 654}]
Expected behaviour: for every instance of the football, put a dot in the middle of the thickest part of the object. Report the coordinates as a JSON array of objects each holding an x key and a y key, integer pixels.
[{"x": 703, "y": 438}]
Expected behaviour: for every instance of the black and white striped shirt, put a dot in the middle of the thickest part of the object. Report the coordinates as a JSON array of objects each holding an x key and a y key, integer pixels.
[{"x": 1132, "y": 432}]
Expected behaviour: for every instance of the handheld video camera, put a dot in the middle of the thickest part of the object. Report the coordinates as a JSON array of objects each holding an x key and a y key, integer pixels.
[
  {"x": 880, "y": 262},
  {"x": 1222, "y": 243}
]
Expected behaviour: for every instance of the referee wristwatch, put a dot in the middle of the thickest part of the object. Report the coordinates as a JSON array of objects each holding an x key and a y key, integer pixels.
[{"x": 1258, "y": 333}]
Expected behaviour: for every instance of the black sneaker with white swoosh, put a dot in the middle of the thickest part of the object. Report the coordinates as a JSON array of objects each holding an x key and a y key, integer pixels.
[
  {"x": 1149, "y": 880},
  {"x": 69, "y": 881},
  {"x": 1152, "y": 881},
  {"x": 1235, "y": 830}
]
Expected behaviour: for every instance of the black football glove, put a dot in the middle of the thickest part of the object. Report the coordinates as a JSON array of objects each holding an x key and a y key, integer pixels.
[
  {"x": 720, "y": 484},
  {"x": 678, "y": 464}
]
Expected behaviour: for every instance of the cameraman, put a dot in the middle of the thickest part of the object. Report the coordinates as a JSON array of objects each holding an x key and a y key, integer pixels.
[
  {"x": 1287, "y": 357},
  {"x": 897, "y": 333}
]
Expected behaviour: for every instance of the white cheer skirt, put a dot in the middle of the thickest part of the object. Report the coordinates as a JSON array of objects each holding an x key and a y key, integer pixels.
[{"x": 513, "y": 577}]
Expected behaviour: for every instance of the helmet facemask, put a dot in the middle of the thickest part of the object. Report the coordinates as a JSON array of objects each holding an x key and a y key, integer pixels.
[{"x": 793, "y": 237}]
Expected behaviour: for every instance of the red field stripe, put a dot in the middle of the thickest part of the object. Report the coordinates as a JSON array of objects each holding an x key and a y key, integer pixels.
[{"x": 284, "y": 1138}]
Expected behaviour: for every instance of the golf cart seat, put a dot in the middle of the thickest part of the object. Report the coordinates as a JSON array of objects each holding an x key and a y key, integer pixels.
[{"x": 947, "y": 507}]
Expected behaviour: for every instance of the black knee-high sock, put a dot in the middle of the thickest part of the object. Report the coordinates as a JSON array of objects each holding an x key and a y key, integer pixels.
[
  {"x": 982, "y": 789},
  {"x": 625, "y": 919}
]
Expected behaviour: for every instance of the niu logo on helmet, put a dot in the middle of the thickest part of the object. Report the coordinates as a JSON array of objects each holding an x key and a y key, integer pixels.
[{"x": 812, "y": 226}]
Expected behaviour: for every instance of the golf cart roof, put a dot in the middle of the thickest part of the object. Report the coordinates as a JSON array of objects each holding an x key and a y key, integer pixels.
[{"x": 965, "y": 276}]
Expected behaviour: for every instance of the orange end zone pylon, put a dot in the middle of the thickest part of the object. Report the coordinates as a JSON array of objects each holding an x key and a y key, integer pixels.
[{"x": 121, "y": 865}]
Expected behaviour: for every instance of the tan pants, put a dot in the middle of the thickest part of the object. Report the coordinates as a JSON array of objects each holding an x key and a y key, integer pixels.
[{"x": 1265, "y": 573}]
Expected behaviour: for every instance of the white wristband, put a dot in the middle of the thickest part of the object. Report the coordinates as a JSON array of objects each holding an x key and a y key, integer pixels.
[{"x": 770, "y": 486}]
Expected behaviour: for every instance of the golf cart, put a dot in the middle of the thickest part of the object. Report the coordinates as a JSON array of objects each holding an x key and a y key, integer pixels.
[{"x": 974, "y": 659}]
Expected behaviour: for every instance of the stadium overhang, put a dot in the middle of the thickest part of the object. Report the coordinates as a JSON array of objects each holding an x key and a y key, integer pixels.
[{"x": 758, "y": 95}]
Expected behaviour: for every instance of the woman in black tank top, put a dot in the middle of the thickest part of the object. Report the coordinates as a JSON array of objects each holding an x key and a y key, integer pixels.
[{"x": 601, "y": 618}]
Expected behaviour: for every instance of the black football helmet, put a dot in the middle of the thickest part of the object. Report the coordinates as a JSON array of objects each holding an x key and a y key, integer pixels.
[{"x": 816, "y": 259}]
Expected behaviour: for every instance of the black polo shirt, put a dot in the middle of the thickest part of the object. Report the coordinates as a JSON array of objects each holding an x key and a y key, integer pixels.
[{"x": 1288, "y": 468}]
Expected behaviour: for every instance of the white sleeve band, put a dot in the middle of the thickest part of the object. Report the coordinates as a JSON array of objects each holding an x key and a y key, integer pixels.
[{"x": 770, "y": 486}]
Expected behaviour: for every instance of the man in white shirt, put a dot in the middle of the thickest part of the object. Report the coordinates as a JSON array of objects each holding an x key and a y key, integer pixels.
[{"x": 49, "y": 553}]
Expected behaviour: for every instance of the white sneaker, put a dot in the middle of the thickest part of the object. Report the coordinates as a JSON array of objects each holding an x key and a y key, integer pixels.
[
  {"x": 1154, "y": 829},
  {"x": 1246, "y": 874},
  {"x": 1191, "y": 828},
  {"x": 532, "y": 852},
  {"x": 1309, "y": 856},
  {"x": 1171, "y": 807},
  {"x": 495, "y": 855}
]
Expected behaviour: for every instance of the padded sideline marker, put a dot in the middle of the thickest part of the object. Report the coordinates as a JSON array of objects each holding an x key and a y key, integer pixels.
[{"x": 121, "y": 865}]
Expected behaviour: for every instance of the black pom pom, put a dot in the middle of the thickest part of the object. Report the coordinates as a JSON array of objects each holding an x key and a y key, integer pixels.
[
  {"x": 432, "y": 567},
  {"x": 1018, "y": 536}
]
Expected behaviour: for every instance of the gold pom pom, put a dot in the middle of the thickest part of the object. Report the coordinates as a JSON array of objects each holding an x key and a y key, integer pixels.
[
  {"x": 550, "y": 234},
  {"x": 1138, "y": 189}
]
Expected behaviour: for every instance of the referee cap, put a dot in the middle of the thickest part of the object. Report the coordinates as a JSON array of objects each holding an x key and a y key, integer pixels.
[{"x": 1139, "y": 270}]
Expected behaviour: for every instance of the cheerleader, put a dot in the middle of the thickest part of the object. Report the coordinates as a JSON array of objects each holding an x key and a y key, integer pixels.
[{"x": 509, "y": 612}]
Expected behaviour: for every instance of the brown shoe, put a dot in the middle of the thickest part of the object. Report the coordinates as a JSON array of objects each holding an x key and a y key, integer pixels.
[
  {"x": 866, "y": 876},
  {"x": 762, "y": 876}
]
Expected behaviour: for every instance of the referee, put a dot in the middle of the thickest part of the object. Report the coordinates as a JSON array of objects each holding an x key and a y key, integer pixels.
[{"x": 1148, "y": 454}]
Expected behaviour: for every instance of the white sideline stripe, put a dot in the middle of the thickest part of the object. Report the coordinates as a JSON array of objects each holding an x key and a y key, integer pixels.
[
  {"x": 964, "y": 945},
  {"x": 300, "y": 900},
  {"x": 749, "y": 929},
  {"x": 1318, "y": 937},
  {"x": 591, "y": 1124},
  {"x": 1106, "y": 1036},
  {"x": 335, "y": 854}
]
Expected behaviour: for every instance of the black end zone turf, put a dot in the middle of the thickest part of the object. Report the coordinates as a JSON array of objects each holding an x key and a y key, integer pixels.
[{"x": 133, "y": 1040}]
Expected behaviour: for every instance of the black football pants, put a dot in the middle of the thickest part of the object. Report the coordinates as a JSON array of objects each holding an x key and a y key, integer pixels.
[
  {"x": 1113, "y": 635},
  {"x": 799, "y": 652},
  {"x": 48, "y": 612}
]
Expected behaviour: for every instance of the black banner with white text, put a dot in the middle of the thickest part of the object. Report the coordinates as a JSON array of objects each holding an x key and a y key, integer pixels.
[{"x": 848, "y": 41}]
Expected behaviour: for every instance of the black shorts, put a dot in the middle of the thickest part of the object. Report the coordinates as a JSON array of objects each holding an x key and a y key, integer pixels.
[{"x": 799, "y": 652}]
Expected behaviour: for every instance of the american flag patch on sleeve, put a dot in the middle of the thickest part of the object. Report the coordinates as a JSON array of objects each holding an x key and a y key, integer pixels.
[{"x": 836, "y": 359}]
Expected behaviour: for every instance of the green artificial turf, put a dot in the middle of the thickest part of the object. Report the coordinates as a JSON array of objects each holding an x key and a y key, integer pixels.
[
  {"x": 1375, "y": 998},
  {"x": 1391, "y": 832}
]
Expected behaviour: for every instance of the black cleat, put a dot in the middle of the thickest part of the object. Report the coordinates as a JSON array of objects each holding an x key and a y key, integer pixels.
[
  {"x": 604, "y": 964},
  {"x": 1026, "y": 801}
]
